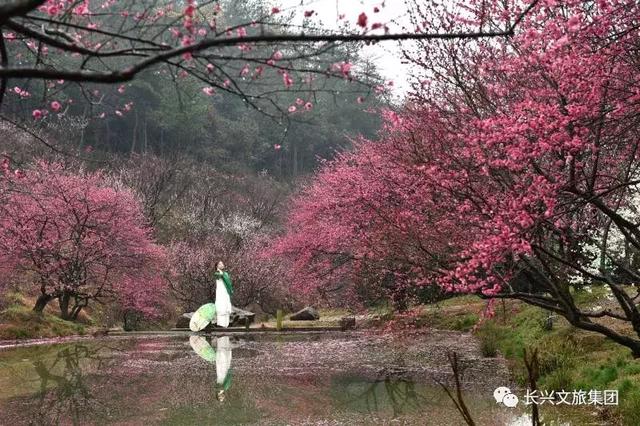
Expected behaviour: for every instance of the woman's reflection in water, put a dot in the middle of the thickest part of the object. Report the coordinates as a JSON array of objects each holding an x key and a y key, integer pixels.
[
  {"x": 223, "y": 366},
  {"x": 221, "y": 356}
]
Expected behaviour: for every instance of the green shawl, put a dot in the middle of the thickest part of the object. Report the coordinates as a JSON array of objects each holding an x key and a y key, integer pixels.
[
  {"x": 226, "y": 384},
  {"x": 226, "y": 279}
]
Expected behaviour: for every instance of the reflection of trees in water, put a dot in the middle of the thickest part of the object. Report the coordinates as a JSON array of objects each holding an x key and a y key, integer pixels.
[
  {"x": 64, "y": 392},
  {"x": 388, "y": 389}
]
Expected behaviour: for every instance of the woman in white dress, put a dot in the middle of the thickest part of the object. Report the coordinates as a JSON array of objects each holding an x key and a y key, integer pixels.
[{"x": 224, "y": 290}]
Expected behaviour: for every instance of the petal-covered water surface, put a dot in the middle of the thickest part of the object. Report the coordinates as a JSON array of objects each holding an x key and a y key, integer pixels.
[{"x": 266, "y": 379}]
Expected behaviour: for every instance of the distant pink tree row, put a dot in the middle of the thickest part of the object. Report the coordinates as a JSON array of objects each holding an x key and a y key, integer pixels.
[
  {"x": 513, "y": 173},
  {"x": 78, "y": 239},
  {"x": 256, "y": 279}
]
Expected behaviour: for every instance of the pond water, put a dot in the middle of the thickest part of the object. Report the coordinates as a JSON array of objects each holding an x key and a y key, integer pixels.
[{"x": 265, "y": 379}]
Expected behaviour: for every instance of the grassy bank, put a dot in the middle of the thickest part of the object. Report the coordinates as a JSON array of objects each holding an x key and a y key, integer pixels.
[
  {"x": 569, "y": 358},
  {"x": 328, "y": 318},
  {"x": 19, "y": 321}
]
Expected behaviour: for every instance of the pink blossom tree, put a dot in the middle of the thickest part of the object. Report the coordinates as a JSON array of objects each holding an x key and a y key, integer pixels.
[
  {"x": 79, "y": 239},
  {"x": 512, "y": 174},
  {"x": 366, "y": 226}
]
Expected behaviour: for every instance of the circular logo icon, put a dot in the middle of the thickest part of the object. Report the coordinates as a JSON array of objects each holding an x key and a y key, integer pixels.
[{"x": 500, "y": 393}]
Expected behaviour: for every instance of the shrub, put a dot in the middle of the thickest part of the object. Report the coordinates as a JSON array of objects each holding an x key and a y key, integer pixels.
[
  {"x": 488, "y": 335},
  {"x": 559, "y": 379},
  {"x": 465, "y": 322},
  {"x": 630, "y": 407},
  {"x": 555, "y": 355}
]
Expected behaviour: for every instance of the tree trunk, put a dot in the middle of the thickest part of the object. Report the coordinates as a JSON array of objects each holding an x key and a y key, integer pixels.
[
  {"x": 130, "y": 321},
  {"x": 635, "y": 351},
  {"x": 603, "y": 251},
  {"x": 108, "y": 141},
  {"x": 134, "y": 135},
  {"x": 42, "y": 302},
  {"x": 533, "y": 373},
  {"x": 82, "y": 137},
  {"x": 75, "y": 311},
  {"x": 77, "y": 307},
  {"x": 295, "y": 158},
  {"x": 64, "y": 305},
  {"x": 146, "y": 136}
]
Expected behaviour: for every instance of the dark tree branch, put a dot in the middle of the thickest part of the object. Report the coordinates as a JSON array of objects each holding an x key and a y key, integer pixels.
[
  {"x": 129, "y": 73},
  {"x": 4, "y": 62},
  {"x": 17, "y": 8}
]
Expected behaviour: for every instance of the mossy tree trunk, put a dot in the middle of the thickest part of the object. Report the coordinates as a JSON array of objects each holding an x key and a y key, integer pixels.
[
  {"x": 42, "y": 302},
  {"x": 67, "y": 310}
]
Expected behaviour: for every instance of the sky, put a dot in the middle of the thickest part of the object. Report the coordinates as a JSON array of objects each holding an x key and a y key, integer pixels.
[{"x": 386, "y": 54}]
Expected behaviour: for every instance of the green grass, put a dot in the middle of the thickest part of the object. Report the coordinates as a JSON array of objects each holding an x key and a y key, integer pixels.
[
  {"x": 464, "y": 323},
  {"x": 572, "y": 359},
  {"x": 328, "y": 318},
  {"x": 458, "y": 301},
  {"x": 451, "y": 314},
  {"x": 630, "y": 406},
  {"x": 569, "y": 358},
  {"x": 19, "y": 321}
]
